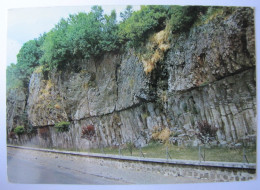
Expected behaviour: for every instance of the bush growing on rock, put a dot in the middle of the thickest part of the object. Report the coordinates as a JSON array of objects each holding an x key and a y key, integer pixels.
[
  {"x": 62, "y": 126},
  {"x": 19, "y": 130},
  {"x": 136, "y": 28},
  {"x": 88, "y": 131},
  {"x": 182, "y": 17},
  {"x": 162, "y": 135},
  {"x": 207, "y": 132}
]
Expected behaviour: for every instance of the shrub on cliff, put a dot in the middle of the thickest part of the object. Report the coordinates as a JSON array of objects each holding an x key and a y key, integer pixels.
[
  {"x": 62, "y": 126},
  {"x": 182, "y": 17},
  {"x": 19, "y": 130},
  {"x": 136, "y": 28},
  {"x": 206, "y": 132},
  {"x": 161, "y": 134},
  {"x": 88, "y": 131}
]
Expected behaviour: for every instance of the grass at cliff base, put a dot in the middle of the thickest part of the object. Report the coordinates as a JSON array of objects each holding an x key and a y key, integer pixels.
[
  {"x": 220, "y": 154},
  {"x": 158, "y": 150}
]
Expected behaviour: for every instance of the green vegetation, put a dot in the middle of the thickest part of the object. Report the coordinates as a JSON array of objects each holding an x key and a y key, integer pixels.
[
  {"x": 183, "y": 17},
  {"x": 81, "y": 36},
  {"x": 212, "y": 12},
  {"x": 12, "y": 77},
  {"x": 90, "y": 35},
  {"x": 137, "y": 27},
  {"x": 62, "y": 126},
  {"x": 158, "y": 150},
  {"x": 18, "y": 75},
  {"x": 127, "y": 13},
  {"x": 19, "y": 130}
]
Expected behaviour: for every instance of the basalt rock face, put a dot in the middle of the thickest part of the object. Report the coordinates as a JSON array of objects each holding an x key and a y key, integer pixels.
[
  {"x": 208, "y": 74},
  {"x": 212, "y": 51},
  {"x": 212, "y": 77},
  {"x": 16, "y": 108}
]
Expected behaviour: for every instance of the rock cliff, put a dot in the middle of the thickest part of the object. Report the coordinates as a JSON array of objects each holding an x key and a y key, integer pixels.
[{"x": 208, "y": 74}]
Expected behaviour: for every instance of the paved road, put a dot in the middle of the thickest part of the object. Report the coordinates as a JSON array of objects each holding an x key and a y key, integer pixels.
[
  {"x": 23, "y": 171},
  {"x": 25, "y": 166}
]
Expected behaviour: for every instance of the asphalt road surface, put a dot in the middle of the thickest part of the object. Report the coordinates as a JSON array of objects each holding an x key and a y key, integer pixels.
[
  {"x": 32, "y": 167},
  {"x": 23, "y": 171}
]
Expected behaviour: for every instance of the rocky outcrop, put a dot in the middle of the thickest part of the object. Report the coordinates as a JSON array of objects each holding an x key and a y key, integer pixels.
[
  {"x": 16, "y": 108},
  {"x": 208, "y": 74},
  {"x": 212, "y": 77},
  {"x": 212, "y": 51}
]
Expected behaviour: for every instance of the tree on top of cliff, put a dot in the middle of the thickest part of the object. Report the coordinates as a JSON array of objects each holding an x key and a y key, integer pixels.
[
  {"x": 127, "y": 13},
  {"x": 136, "y": 28},
  {"x": 92, "y": 34},
  {"x": 18, "y": 75},
  {"x": 181, "y": 18},
  {"x": 81, "y": 36}
]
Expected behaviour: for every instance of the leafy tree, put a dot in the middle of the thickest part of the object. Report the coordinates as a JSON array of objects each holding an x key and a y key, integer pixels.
[
  {"x": 109, "y": 37},
  {"x": 28, "y": 58},
  {"x": 137, "y": 27},
  {"x": 127, "y": 13},
  {"x": 18, "y": 75},
  {"x": 85, "y": 33},
  {"x": 92, "y": 34},
  {"x": 12, "y": 77},
  {"x": 182, "y": 17},
  {"x": 81, "y": 36},
  {"x": 55, "y": 46}
]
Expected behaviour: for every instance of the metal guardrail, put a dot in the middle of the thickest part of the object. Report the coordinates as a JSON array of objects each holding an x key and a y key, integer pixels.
[{"x": 235, "y": 165}]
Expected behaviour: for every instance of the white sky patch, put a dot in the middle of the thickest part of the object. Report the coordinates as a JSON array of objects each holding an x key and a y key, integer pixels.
[{"x": 13, "y": 48}]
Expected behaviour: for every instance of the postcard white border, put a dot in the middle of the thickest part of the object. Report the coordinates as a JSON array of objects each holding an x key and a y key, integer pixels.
[{"x": 10, "y": 4}]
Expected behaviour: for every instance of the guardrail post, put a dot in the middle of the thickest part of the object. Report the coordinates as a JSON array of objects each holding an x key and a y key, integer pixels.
[
  {"x": 200, "y": 154},
  {"x": 141, "y": 153},
  {"x": 119, "y": 151},
  {"x": 245, "y": 160},
  {"x": 102, "y": 149},
  {"x": 167, "y": 153}
]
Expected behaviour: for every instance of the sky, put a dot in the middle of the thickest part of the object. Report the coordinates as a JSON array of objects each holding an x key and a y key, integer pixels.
[{"x": 24, "y": 24}]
